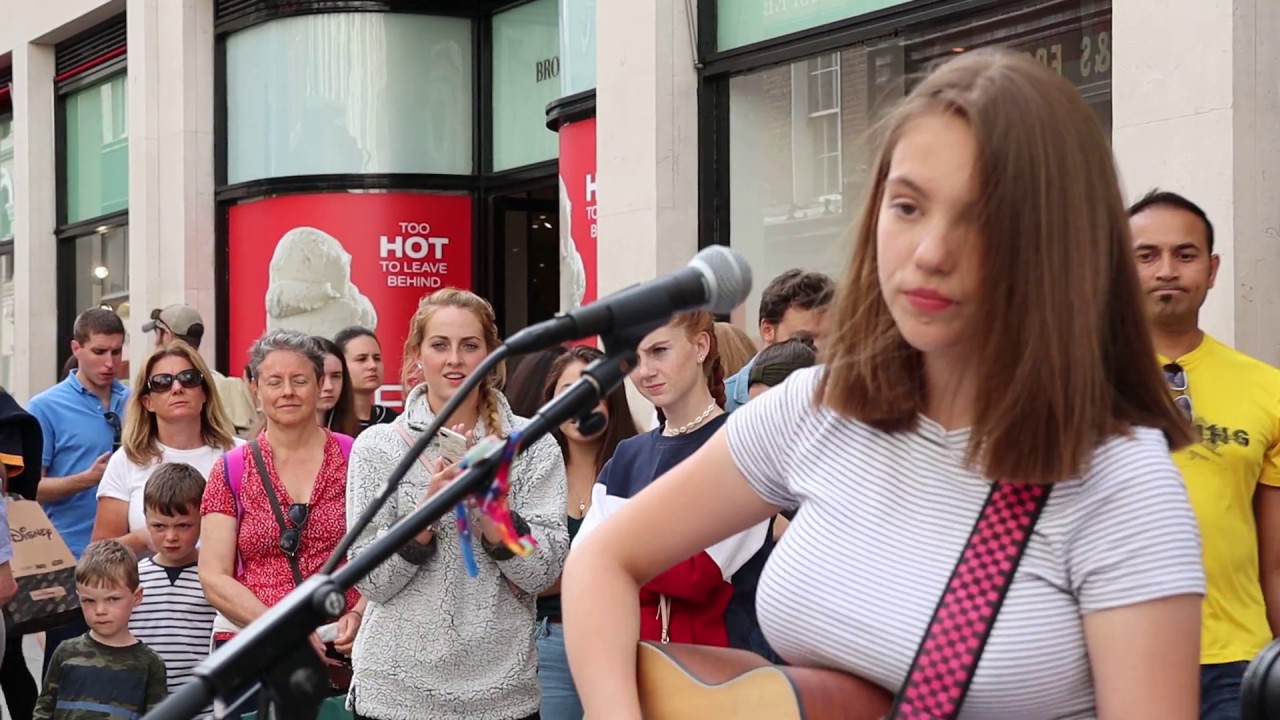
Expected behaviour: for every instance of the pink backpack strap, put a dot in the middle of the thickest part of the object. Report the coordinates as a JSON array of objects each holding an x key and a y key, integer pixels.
[
  {"x": 233, "y": 468},
  {"x": 344, "y": 443}
]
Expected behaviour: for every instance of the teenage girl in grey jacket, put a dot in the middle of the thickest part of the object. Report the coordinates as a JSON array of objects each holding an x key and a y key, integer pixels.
[{"x": 438, "y": 643}]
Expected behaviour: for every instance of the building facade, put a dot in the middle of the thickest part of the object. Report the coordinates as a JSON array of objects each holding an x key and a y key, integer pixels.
[{"x": 313, "y": 165}]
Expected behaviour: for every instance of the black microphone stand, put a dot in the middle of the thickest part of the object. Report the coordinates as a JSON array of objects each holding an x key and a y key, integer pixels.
[{"x": 275, "y": 649}]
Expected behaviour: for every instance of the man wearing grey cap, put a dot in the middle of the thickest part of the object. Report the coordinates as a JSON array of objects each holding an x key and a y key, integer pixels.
[{"x": 183, "y": 322}]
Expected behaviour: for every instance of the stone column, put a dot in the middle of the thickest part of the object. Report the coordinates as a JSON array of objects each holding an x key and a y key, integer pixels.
[
  {"x": 1196, "y": 110},
  {"x": 647, "y": 145},
  {"x": 35, "y": 246},
  {"x": 171, "y": 163}
]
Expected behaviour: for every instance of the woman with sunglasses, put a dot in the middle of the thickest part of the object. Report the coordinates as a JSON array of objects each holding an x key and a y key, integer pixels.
[
  {"x": 275, "y": 509},
  {"x": 174, "y": 416}
]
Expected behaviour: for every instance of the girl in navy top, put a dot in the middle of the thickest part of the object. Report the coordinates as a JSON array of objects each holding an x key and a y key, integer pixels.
[{"x": 679, "y": 371}]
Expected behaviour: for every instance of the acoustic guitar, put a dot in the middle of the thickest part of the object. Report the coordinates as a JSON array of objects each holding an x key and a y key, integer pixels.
[{"x": 693, "y": 682}]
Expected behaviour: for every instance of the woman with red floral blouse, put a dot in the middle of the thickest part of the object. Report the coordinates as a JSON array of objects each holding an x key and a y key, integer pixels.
[{"x": 249, "y": 560}]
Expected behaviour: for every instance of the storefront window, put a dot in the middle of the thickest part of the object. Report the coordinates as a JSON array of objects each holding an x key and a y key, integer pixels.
[
  {"x": 7, "y": 320},
  {"x": 742, "y": 22},
  {"x": 102, "y": 270},
  {"x": 577, "y": 46},
  {"x": 799, "y": 153},
  {"x": 526, "y": 76},
  {"x": 7, "y": 195},
  {"x": 97, "y": 150},
  {"x": 97, "y": 267},
  {"x": 349, "y": 93}
]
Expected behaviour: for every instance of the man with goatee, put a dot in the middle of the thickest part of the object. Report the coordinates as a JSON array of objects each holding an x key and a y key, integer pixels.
[{"x": 1233, "y": 473}]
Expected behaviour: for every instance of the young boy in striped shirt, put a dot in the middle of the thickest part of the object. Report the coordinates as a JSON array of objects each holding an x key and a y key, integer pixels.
[{"x": 174, "y": 619}]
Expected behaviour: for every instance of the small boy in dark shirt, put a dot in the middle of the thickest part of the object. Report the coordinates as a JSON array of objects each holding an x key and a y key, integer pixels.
[{"x": 106, "y": 672}]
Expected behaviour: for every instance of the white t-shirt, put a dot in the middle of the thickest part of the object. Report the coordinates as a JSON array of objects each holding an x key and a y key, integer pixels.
[
  {"x": 882, "y": 520},
  {"x": 124, "y": 480}
]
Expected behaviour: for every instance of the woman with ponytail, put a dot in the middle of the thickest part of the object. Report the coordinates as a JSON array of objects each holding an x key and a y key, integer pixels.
[
  {"x": 437, "y": 643},
  {"x": 680, "y": 372}
]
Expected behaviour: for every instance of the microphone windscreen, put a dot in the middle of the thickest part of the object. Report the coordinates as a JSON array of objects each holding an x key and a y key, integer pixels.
[{"x": 728, "y": 274}]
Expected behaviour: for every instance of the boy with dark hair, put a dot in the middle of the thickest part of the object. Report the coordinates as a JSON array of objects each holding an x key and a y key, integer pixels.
[
  {"x": 174, "y": 618},
  {"x": 106, "y": 672},
  {"x": 794, "y": 302}
]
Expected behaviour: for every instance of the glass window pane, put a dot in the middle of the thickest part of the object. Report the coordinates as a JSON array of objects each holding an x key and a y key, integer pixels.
[
  {"x": 526, "y": 76},
  {"x": 8, "y": 205},
  {"x": 742, "y": 22},
  {"x": 1071, "y": 37},
  {"x": 102, "y": 269},
  {"x": 7, "y": 320},
  {"x": 97, "y": 150},
  {"x": 102, "y": 278},
  {"x": 577, "y": 46},
  {"x": 349, "y": 93},
  {"x": 798, "y": 145}
]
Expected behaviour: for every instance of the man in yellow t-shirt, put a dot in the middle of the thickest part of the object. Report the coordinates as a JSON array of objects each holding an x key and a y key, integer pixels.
[{"x": 1233, "y": 472}]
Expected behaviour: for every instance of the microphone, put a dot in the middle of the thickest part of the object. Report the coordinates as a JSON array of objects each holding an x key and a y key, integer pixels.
[
  {"x": 717, "y": 279},
  {"x": 1260, "y": 689}
]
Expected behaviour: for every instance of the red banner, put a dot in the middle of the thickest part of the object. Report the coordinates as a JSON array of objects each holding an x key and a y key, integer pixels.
[
  {"x": 319, "y": 263},
  {"x": 578, "y": 253}
]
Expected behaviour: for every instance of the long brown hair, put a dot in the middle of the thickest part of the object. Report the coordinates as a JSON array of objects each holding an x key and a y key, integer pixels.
[
  {"x": 342, "y": 417},
  {"x": 621, "y": 425},
  {"x": 736, "y": 347},
  {"x": 693, "y": 323},
  {"x": 1062, "y": 340},
  {"x": 410, "y": 373},
  {"x": 526, "y": 384},
  {"x": 141, "y": 435}
]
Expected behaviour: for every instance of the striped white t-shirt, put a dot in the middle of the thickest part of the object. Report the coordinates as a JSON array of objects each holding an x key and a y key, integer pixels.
[
  {"x": 883, "y": 518},
  {"x": 174, "y": 619}
]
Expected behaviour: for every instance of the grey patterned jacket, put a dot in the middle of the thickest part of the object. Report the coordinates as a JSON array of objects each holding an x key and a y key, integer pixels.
[{"x": 435, "y": 642}]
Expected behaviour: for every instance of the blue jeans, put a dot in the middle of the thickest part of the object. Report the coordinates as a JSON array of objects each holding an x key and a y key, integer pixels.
[
  {"x": 559, "y": 695},
  {"x": 1220, "y": 690}
]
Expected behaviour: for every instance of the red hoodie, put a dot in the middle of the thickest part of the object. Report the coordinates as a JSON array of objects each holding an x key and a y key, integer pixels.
[{"x": 699, "y": 595}]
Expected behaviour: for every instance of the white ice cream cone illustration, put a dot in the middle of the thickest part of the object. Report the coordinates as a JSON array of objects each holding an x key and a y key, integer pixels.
[{"x": 310, "y": 288}]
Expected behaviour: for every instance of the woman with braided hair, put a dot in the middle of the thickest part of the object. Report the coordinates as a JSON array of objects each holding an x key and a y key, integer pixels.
[
  {"x": 680, "y": 372},
  {"x": 437, "y": 643}
]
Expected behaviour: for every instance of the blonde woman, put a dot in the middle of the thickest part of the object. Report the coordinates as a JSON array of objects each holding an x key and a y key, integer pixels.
[
  {"x": 173, "y": 416},
  {"x": 436, "y": 643}
]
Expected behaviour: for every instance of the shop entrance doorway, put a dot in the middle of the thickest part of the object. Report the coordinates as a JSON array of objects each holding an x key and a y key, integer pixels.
[{"x": 527, "y": 272}]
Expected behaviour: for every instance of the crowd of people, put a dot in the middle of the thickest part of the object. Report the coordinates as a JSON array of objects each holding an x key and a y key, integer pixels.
[
  {"x": 1002, "y": 320},
  {"x": 190, "y": 518}
]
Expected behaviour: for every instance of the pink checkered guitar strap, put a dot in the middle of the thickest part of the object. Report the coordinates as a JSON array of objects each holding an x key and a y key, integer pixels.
[{"x": 948, "y": 655}]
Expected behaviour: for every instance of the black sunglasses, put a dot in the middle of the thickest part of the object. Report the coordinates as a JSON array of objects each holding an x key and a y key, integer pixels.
[
  {"x": 163, "y": 382},
  {"x": 291, "y": 539},
  {"x": 114, "y": 421},
  {"x": 1176, "y": 376}
]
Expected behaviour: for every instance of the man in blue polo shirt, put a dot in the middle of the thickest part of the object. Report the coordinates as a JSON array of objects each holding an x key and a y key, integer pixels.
[{"x": 81, "y": 419}]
